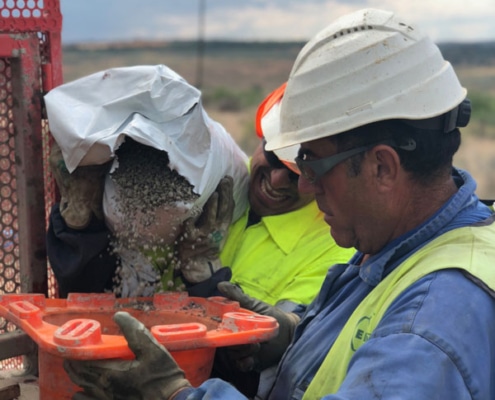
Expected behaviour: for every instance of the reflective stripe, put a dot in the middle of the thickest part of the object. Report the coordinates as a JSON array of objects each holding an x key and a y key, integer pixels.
[{"x": 471, "y": 249}]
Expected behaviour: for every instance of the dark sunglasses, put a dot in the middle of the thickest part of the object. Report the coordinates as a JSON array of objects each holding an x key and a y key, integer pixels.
[{"x": 313, "y": 170}]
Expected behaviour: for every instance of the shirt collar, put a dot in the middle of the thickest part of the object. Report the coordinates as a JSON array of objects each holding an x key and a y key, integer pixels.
[{"x": 286, "y": 230}]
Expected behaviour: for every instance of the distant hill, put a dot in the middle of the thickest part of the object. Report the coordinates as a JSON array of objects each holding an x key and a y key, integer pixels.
[
  {"x": 478, "y": 53},
  {"x": 468, "y": 54}
]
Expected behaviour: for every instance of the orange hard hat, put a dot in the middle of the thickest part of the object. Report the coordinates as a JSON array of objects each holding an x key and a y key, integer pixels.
[
  {"x": 266, "y": 105},
  {"x": 268, "y": 126}
]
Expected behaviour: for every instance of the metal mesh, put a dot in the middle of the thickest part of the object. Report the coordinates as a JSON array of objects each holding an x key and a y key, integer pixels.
[
  {"x": 9, "y": 237},
  {"x": 30, "y": 65},
  {"x": 22, "y": 8}
]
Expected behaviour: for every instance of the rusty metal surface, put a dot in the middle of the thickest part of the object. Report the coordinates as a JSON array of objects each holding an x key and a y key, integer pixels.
[
  {"x": 30, "y": 65},
  {"x": 28, "y": 142}
]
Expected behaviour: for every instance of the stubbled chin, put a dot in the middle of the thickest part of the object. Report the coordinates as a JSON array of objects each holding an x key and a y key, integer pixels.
[
  {"x": 328, "y": 219},
  {"x": 342, "y": 238}
]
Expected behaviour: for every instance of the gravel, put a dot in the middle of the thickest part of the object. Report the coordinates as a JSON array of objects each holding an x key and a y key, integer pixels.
[{"x": 147, "y": 187}]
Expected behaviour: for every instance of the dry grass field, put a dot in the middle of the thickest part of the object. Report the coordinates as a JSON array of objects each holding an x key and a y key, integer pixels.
[{"x": 254, "y": 72}]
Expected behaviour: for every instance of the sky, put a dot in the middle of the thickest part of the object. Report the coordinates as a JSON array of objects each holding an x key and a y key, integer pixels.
[{"x": 279, "y": 20}]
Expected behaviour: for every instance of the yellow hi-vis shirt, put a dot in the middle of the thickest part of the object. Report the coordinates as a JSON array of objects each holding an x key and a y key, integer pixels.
[
  {"x": 471, "y": 249},
  {"x": 283, "y": 257}
]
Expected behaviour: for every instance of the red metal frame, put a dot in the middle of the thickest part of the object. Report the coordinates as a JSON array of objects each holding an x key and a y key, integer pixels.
[
  {"x": 30, "y": 65},
  {"x": 44, "y": 19},
  {"x": 30, "y": 42}
]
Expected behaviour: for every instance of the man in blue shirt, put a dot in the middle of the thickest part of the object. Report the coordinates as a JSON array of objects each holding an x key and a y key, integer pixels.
[{"x": 376, "y": 110}]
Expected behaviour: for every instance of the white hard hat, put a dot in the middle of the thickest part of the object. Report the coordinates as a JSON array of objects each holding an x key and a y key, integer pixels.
[{"x": 365, "y": 67}]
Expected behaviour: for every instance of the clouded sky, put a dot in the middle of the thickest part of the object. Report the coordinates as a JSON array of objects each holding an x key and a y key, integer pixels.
[{"x": 116, "y": 20}]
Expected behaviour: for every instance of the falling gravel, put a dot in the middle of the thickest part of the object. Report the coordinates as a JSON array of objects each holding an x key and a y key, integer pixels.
[{"x": 146, "y": 187}]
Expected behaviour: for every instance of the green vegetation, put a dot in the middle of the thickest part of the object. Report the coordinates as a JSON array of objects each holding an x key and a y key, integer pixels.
[
  {"x": 231, "y": 99},
  {"x": 483, "y": 105}
]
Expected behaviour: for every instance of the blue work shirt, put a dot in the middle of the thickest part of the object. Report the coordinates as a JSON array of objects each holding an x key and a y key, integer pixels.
[{"x": 424, "y": 347}]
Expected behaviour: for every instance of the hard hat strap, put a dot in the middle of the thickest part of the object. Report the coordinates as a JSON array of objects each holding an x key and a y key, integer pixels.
[{"x": 455, "y": 118}]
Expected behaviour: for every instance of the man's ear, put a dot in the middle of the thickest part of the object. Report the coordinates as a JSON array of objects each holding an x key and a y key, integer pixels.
[{"x": 386, "y": 166}]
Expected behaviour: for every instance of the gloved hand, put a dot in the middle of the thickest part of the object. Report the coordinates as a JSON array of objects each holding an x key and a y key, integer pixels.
[
  {"x": 203, "y": 238},
  {"x": 259, "y": 356},
  {"x": 81, "y": 191},
  {"x": 152, "y": 375}
]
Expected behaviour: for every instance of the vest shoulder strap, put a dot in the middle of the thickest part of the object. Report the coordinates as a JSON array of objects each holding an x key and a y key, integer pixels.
[{"x": 471, "y": 249}]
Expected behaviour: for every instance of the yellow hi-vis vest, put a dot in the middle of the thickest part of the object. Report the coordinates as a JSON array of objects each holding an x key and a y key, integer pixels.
[
  {"x": 471, "y": 249},
  {"x": 283, "y": 257}
]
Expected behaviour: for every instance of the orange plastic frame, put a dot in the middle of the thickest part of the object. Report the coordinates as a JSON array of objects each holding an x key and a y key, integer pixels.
[{"x": 81, "y": 327}]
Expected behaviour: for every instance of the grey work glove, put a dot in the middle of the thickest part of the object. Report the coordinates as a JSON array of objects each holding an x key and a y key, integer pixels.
[
  {"x": 81, "y": 191},
  {"x": 203, "y": 238},
  {"x": 259, "y": 356},
  {"x": 152, "y": 375}
]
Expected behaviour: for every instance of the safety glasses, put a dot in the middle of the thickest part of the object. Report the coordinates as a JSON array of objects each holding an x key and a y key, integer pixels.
[{"x": 312, "y": 170}]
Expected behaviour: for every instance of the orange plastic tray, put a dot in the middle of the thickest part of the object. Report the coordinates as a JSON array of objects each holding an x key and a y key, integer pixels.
[{"x": 81, "y": 327}]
